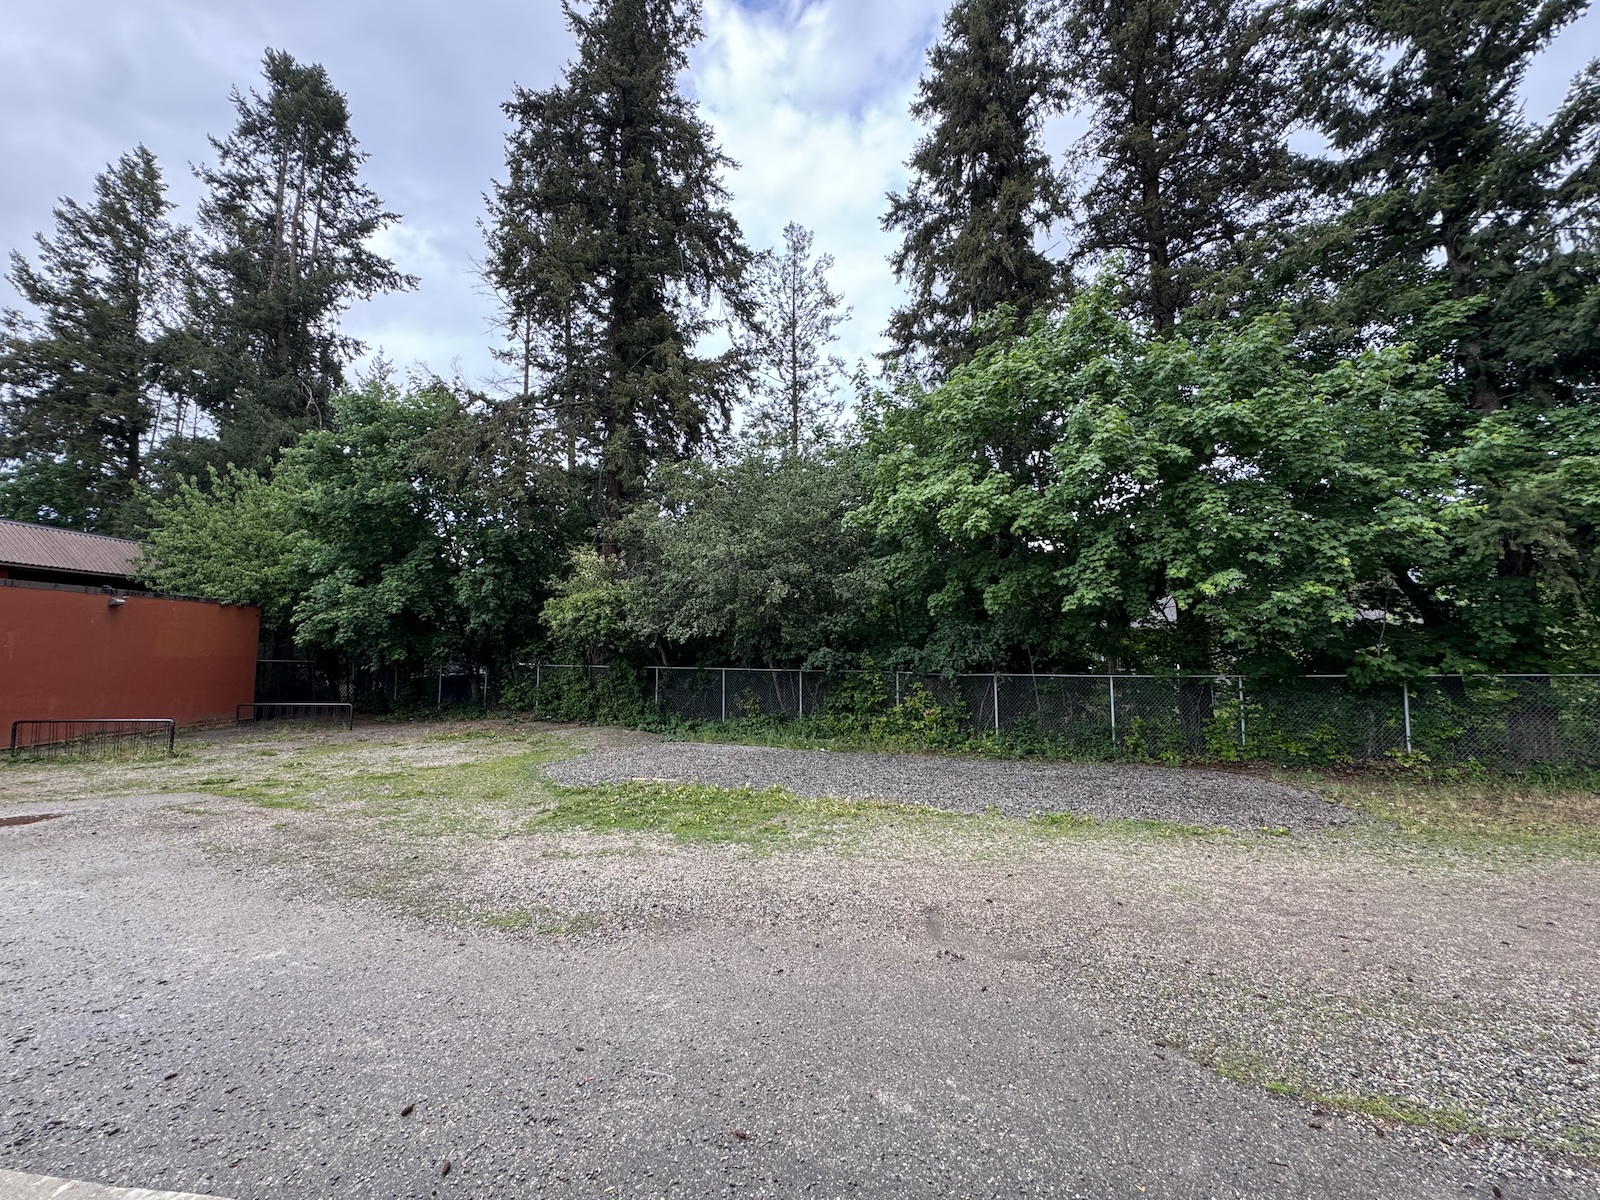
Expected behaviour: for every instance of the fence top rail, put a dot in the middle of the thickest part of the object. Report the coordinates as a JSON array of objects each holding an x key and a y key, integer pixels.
[
  {"x": 94, "y": 721},
  {"x": 1195, "y": 676},
  {"x": 295, "y": 704},
  {"x": 344, "y": 709}
]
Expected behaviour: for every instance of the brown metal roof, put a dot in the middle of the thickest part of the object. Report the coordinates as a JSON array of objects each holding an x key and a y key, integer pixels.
[{"x": 45, "y": 548}]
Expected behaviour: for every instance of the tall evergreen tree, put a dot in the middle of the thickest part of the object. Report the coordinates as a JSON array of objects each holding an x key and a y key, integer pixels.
[
  {"x": 80, "y": 395},
  {"x": 287, "y": 222},
  {"x": 1475, "y": 233},
  {"x": 1188, "y": 103},
  {"x": 797, "y": 313},
  {"x": 1450, "y": 194},
  {"x": 982, "y": 188},
  {"x": 548, "y": 315},
  {"x": 611, "y": 238}
]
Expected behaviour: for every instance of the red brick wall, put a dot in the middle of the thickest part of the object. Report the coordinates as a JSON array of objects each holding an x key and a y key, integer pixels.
[{"x": 70, "y": 654}]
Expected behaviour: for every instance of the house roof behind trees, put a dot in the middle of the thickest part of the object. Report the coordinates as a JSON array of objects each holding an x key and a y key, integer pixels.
[{"x": 42, "y": 549}]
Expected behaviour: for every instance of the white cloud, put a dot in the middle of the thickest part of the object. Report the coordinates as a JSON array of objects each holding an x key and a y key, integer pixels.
[
  {"x": 809, "y": 96},
  {"x": 811, "y": 101},
  {"x": 82, "y": 81}
]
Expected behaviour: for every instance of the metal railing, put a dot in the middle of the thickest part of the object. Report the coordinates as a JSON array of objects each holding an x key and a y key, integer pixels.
[
  {"x": 92, "y": 736},
  {"x": 311, "y": 711},
  {"x": 1501, "y": 720}
]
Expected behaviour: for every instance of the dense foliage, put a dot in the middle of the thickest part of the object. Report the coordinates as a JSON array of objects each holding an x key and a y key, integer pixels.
[
  {"x": 363, "y": 542},
  {"x": 1182, "y": 398}
]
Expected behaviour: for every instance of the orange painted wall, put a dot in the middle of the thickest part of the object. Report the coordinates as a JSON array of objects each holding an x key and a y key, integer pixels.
[{"x": 70, "y": 654}]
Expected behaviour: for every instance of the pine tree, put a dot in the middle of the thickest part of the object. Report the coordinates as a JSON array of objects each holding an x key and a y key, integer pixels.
[
  {"x": 1474, "y": 233},
  {"x": 1449, "y": 194},
  {"x": 610, "y": 239},
  {"x": 80, "y": 380},
  {"x": 1186, "y": 155},
  {"x": 287, "y": 222},
  {"x": 548, "y": 304},
  {"x": 797, "y": 315},
  {"x": 982, "y": 188}
]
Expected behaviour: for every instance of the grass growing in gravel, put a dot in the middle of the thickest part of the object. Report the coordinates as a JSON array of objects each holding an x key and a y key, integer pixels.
[
  {"x": 1465, "y": 808},
  {"x": 491, "y": 786},
  {"x": 763, "y": 818},
  {"x": 507, "y": 795},
  {"x": 486, "y": 782},
  {"x": 1558, "y": 814}
]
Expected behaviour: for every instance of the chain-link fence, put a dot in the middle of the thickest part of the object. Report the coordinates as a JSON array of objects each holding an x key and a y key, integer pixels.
[
  {"x": 1498, "y": 720},
  {"x": 303, "y": 681}
]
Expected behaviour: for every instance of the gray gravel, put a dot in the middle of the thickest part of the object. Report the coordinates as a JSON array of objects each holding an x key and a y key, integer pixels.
[
  {"x": 1018, "y": 789},
  {"x": 202, "y": 993},
  {"x": 175, "y": 1024}
]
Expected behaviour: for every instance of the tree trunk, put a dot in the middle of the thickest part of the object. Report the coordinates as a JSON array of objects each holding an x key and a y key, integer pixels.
[{"x": 1193, "y": 645}]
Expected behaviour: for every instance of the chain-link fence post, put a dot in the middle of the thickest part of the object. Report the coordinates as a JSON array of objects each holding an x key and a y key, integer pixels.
[
  {"x": 995, "y": 682},
  {"x": 1111, "y": 684},
  {"x": 536, "y": 688},
  {"x": 724, "y": 693},
  {"x": 1405, "y": 707},
  {"x": 800, "y": 693},
  {"x": 1241, "y": 713}
]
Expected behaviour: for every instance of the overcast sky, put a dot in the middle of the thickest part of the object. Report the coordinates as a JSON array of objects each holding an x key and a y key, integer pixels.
[{"x": 809, "y": 97}]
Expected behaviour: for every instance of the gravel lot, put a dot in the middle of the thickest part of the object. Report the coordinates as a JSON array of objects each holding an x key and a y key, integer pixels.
[
  {"x": 1017, "y": 789},
  {"x": 208, "y": 994}
]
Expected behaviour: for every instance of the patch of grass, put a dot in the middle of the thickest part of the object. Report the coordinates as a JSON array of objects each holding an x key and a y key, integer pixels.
[
  {"x": 1580, "y": 1139},
  {"x": 1558, "y": 815},
  {"x": 1404, "y": 1111},
  {"x": 465, "y": 735},
  {"x": 1448, "y": 1119},
  {"x": 761, "y": 818},
  {"x": 126, "y": 758},
  {"x": 1250, "y": 1069},
  {"x": 539, "y": 921},
  {"x": 772, "y": 818},
  {"x": 516, "y": 920}
]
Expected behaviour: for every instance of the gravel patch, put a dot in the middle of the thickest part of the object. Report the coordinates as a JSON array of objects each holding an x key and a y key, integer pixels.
[
  {"x": 1017, "y": 789},
  {"x": 229, "y": 1032},
  {"x": 1452, "y": 996}
]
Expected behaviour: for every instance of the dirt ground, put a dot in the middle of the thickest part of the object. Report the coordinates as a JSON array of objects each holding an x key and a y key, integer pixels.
[{"x": 1338, "y": 1011}]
